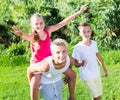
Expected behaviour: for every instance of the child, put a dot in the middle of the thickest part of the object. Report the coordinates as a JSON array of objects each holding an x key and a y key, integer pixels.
[
  {"x": 52, "y": 68},
  {"x": 85, "y": 53},
  {"x": 40, "y": 42}
]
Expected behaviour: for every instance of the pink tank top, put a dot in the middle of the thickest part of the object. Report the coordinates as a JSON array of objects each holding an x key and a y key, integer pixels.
[{"x": 44, "y": 50}]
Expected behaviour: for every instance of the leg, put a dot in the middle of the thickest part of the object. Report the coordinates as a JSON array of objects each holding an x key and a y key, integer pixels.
[
  {"x": 34, "y": 83},
  {"x": 71, "y": 82},
  {"x": 95, "y": 88},
  {"x": 97, "y": 98}
]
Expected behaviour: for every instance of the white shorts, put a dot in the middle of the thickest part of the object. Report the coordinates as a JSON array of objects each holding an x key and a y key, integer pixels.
[{"x": 95, "y": 86}]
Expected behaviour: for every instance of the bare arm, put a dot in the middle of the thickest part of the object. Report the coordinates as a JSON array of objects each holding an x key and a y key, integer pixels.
[
  {"x": 20, "y": 33},
  {"x": 102, "y": 63},
  {"x": 77, "y": 64},
  {"x": 66, "y": 21},
  {"x": 42, "y": 66}
]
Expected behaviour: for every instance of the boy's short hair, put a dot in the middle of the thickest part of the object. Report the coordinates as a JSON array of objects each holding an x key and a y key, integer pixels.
[
  {"x": 58, "y": 42},
  {"x": 83, "y": 24}
]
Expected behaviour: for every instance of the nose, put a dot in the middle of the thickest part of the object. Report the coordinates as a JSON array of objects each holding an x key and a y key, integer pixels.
[{"x": 61, "y": 55}]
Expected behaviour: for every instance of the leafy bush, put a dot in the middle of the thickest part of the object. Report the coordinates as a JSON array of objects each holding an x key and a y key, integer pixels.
[
  {"x": 7, "y": 61},
  {"x": 15, "y": 49},
  {"x": 18, "y": 60},
  {"x": 103, "y": 16},
  {"x": 104, "y": 19}
]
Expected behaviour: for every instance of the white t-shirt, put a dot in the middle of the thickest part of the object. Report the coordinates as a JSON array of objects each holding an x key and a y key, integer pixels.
[
  {"x": 83, "y": 52},
  {"x": 53, "y": 75}
]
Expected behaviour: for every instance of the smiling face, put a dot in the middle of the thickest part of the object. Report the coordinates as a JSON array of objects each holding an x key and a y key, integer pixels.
[
  {"x": 85, "y": 32},
  {"x": 37, "y": 23},
  {"x": 59, "y": 52}
]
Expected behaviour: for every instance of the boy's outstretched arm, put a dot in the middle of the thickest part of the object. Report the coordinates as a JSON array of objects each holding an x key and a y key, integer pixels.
[
  {"x": 66, "y": 20},
  {"x": 102, "y": 64}
]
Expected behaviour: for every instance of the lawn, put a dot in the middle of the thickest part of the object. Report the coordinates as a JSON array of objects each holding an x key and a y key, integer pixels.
[{"x": 14, "y": 84}]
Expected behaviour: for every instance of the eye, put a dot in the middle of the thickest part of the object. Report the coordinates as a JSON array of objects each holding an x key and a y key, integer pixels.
[
  {"x": 64, "y": 51},
  {"x": 57, "y": 52},
  {"x": 88, "y": 31},
  {"x": 41, "y": 23}
]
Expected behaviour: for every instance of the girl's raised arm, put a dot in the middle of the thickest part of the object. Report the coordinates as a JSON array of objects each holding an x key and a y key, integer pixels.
[
  {"x": 20, "y": 33},
  {"x": 66, "y": 20}
]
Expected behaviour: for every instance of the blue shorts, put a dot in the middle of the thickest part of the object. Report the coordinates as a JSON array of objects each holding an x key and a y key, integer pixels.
[{"x": 52, "y": 91}]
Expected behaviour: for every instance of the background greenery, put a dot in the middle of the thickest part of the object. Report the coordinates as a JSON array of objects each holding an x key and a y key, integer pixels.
[{"x": 104, "y": 18}]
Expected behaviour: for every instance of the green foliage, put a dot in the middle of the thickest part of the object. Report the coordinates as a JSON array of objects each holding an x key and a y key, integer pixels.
[
  {"x": 103, "y": 16},
  {"x": 13, "y": 61},
  {"x": 72, "y": 44},
  {"x": 104, "y": 19},
  {"x": 16, "y": 49}
]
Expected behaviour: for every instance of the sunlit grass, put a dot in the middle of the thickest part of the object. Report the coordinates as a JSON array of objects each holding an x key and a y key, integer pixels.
[{"x": 14, "y": 84}]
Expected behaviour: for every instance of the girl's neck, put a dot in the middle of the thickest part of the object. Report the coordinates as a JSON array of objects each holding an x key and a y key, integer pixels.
[{"x": 42, "y": 35}]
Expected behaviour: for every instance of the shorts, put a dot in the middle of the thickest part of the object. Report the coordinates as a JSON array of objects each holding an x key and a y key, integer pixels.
[
  {"x": 95, "y": 86},
  {"x": 52, "y": 91}
]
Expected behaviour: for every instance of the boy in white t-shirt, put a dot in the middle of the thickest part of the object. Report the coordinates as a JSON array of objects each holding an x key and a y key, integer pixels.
[
  {"x": 51, "y": 69},
  {"x": 85, "y": 53}
]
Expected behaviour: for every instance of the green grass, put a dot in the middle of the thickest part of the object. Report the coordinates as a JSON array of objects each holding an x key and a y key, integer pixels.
[{"x": 14, "y": 84}]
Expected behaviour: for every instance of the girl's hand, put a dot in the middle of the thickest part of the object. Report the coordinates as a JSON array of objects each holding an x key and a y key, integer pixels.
[
  {"x": 17, "y": 31},
  {"x": 83, "y": 8}
]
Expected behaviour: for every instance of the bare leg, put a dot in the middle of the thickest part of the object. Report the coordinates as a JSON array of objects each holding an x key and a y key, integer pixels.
[
  {"x": 34, "y": 83},
  {"x": 71, "y": 83},
  {"x": 97, "y": 98}
]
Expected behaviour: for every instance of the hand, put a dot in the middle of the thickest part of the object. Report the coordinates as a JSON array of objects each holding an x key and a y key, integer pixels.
[
  {"x": 106, "y": 74},
  {"x": 83, "y": 8},
  {"x": 66, "y": 79},
  {"x": 84, "y": 62},
  {"x": 17, "y": 31}
]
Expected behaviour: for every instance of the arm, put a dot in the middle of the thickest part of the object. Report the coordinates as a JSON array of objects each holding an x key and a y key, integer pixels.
[
  {"x": 42, "y": 66},
  {"x": 21, "y": 34},
  {"x": 67, "y": 20},
  {"x": 66, "y": 78},
  {"x": 102, "y": 64},
  {"x": 71, "y": 83},
  {"x": 77, "y": 64}
]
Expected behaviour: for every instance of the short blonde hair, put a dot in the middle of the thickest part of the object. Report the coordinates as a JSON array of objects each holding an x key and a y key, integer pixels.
[{"x": 58, "y": 42}]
